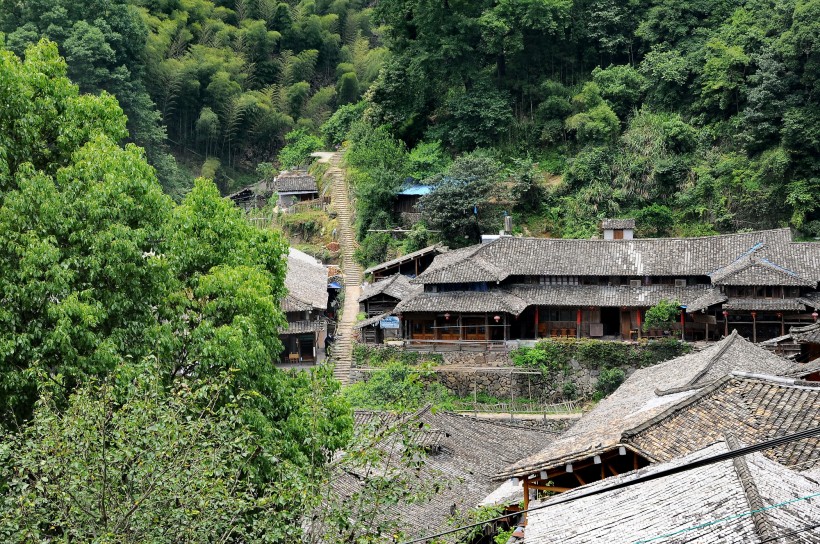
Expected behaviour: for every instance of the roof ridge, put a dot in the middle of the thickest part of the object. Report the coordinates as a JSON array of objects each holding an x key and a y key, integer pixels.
[
  {"x": 762, "y": 523},
  {"x": 726, "y": 235},
  {"x": 703, "y": 393},
  {"x": 709, "y": 364}
]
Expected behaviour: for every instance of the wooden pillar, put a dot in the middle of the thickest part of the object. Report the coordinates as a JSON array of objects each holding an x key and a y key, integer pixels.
[
  {"x": 578, "y": 322},
  {"x": 782, "y": 325},
  {"x": 683, "y": 324},
  {"x": 536, "y": 322},
  {"x": 754, "y": 327},
  {"x": 526, "y": 493},
  {"x": 460, "y": 327},
  {"x": 725, "y": 323},
  {"x": 639, "y": 323}
]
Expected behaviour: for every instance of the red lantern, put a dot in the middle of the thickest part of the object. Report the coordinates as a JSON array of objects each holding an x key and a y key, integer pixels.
[
  {"x": 814, "y": 315},
  {"x": 725, "y": 314},
  {"x": 447, "y": 316},
  {"x": 497, "y": 318}
]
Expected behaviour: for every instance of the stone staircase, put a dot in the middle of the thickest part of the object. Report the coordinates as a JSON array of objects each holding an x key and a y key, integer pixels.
[{"x": 342, "y": 352}]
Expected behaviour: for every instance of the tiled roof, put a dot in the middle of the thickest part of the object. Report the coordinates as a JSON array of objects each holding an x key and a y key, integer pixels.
[
  {"x": 751, "y": 407},
  {"x": 464, "y": 455},
  {"x": 306, "y": 282},
  {"x": 709, "y": 298},
  {"x": 647, "y": 393},
  {"x": 808, "y": 334},
  {"x": 300, "y": 327},
  {"x": 765, "y": 304},
  {"x": 811, "y": 299},
  {"x": 616, "y": 295},
  {"x": 750, "y": 269},
  {"x": 681, "y": 257},
  {"x": 514, "y": 299},
  {"x": 464, "y": 301},
  {"x": 295, "y": 182},
  {"x": 371, "y": 321},
  {"x": 396, "y": 286},
  {"x": 683, "y": 505},
  {"x": 618, "y": 224},
  {"x": 436, "y": 248}
]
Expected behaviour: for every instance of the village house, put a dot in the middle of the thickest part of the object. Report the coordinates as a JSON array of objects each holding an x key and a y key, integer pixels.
[
  {"x": 294, "y": 186},
  {"x": 706, "y": 504},
  {"x": 801, "y": 344},
  {"x": 679, "y": 406},
  {"x": 410, "y": 265},
  {"x": 512, "y": 288},
  {"x": 290, "y": 187},
  {"x": 378, "y": 301},
  {"x": 462, "y": 455},
  {"x": 304, "y": 306}
]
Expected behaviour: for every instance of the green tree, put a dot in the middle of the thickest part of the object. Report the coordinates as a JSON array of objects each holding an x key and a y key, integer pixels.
[{"x": 298, "y": 149}]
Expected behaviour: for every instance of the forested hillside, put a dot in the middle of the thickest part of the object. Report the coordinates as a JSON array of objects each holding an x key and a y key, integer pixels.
[
  {"x": 199, "y": 78},
  {"x": 695, "y": 117}
]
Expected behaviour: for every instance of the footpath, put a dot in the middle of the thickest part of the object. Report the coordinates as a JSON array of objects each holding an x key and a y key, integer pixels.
[{"x": 342, "y": 352}]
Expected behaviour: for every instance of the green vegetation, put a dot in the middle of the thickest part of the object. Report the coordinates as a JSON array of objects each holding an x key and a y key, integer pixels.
[
  {"x": 136, "y": 340},
  {"x": 552, "y": 356},
  {"x": 201, "y": 78},
  {"x": 662, "y": 315},
  {"x": 399, "y": 387},
  {"x": 695, "y": 119},
  {"x": 381, "y": 356},
  {"x": 608, "y": 381}
]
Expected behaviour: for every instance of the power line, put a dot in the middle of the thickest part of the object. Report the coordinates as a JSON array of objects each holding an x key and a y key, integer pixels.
[
  {"x": 790, "y": 533},
  {"x": 773, "y": 443},
  {"x": 729, "y": 518}
]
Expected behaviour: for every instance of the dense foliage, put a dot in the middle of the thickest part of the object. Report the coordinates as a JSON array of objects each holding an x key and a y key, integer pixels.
[
  {"x": 227, "y": 79},
  {"x": 101, "y": 273},
  {"x": 695, "y": 118}
]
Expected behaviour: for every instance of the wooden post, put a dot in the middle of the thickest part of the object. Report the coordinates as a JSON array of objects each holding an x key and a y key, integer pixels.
[
  {"x": 536, "y": 322},
  {"x": 754, "y": 327},
  {"x": 725, "y": 323},
  {"x": 526, "y": 493},
  {"x": 639, "y": 323},
  {"x": 578, "y": 321},
  {"x": 683, "y": 324},
  {"x": 782, "y": 325},
  {"x": 460, "y": 327}
]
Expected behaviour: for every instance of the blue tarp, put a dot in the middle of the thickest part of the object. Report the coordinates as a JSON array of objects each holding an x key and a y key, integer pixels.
[
  {"x": 416, "y": 190},
  {"x": 333, "y": 285}
]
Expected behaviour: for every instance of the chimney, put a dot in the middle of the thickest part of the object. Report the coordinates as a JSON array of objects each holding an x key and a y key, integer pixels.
[
  {"x": 507, "y": 224},
  {"x": 618, "y": 229}
]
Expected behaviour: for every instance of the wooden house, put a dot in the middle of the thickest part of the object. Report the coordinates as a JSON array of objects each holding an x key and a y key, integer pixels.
[
  {"x": 295, "y": 186},
  {"x": 411, "y": 264},
  {"x": 253, "y": 196},
  {"x": 674, "y": 408},
  {"x": 460, "y": 456},
  {"x": 745, "y": 500},
  {"x": 377, "y": 302},
  {"x": 759, "y": 283},
  {"x": 304, "y": 306},
  {"x": 407, "y": 202},
  {"x": 802, "y": 343}
]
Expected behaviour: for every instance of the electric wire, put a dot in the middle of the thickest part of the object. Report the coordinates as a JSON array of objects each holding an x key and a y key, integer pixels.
[
  {"x": 728, "y": 518},
  {"x": 767, "y": 444},
  {"x": 791, "y": 533}
]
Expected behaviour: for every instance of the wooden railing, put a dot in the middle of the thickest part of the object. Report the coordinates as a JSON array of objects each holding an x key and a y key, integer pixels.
[{"x": 438, "y": 346}]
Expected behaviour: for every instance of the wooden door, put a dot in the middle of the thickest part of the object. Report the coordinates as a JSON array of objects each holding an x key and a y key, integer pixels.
[{"x": 626, "y": 324}]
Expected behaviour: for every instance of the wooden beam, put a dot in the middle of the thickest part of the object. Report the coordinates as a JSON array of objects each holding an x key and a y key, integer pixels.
[
  {"x": 635, "y": 460},
  {"x": 612, "y": 470},
  {"x": 578, "y": 477},
  {"x": 555, "y": 488}
]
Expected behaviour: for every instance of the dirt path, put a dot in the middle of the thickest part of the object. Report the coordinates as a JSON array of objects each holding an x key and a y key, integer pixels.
[{"x": 342, "y": 352}]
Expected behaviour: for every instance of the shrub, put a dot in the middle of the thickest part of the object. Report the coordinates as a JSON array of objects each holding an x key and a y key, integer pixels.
[
  {"x": 608, "y": 381},
  {"x": 598, "y": 354},
  {"x": 662, "y": 314},
  {"x": 569, "y": 390}
]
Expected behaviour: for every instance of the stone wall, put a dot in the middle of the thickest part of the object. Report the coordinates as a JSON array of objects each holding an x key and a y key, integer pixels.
[{"x": 477, "y": 359}]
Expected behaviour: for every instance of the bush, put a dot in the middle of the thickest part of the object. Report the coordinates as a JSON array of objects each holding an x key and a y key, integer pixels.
[
  {"x": 662, "y": 314},
  {"x": 299, "y": 146},
  {"x": 398, "y": 386},
  {"x": 569, "y": 390},
  {"x": 608, "y": 381},
  {"x": 598, "y": 353}
]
